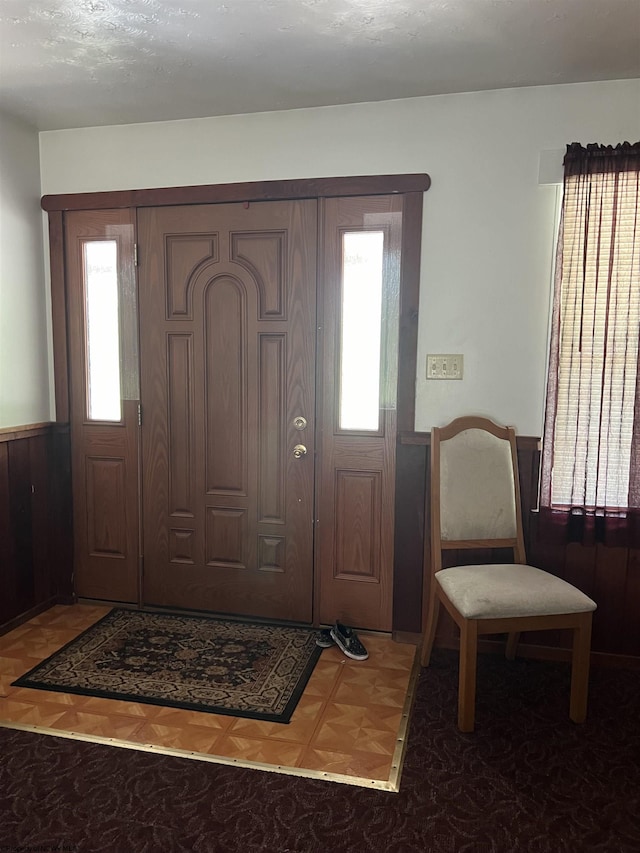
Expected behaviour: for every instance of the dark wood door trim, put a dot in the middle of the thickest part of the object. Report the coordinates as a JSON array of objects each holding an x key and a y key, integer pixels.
[
  {"x": 409, "y": 300},
  {"x": 251, "y": 191},
  {"x": 59, "y": 315}
]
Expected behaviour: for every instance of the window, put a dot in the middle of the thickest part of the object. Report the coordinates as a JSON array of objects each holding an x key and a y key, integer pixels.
[
  {"x": 361, "y": 330},
  {"x": 590, "y": 455},
  {"x": 102, "y": 330}
]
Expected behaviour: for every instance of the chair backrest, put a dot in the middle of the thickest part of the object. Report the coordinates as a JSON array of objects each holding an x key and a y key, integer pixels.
[{"x": 475, "y": 493}]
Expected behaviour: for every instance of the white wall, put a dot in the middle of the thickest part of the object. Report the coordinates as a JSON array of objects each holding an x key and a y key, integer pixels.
[
  {"x": 488, "y": 228},
  {"x": 24, "y": 380}
]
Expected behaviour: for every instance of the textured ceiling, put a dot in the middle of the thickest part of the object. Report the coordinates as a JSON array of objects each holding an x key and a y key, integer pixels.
[{"x": 74, "y": 63}]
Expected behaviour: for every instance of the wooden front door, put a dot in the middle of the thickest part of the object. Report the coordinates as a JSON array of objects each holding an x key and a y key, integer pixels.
[{"x": 227, "y": 356}]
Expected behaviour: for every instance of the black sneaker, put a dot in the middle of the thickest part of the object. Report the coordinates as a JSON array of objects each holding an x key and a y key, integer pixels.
[
  {"x": 348, "y": 642},
  {"x": 324, "y": 639}
]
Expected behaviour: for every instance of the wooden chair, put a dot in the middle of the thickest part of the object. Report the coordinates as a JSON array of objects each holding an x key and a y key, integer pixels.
[{"x": 475, "y": 503}]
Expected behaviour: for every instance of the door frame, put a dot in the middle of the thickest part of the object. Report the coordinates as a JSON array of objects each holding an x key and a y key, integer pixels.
[{"x": 407, "y": 575}]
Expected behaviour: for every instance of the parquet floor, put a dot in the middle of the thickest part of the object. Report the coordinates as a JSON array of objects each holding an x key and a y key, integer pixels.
[{"x": 350, "y": 724}]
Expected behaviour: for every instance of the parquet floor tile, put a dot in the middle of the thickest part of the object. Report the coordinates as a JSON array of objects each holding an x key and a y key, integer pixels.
[
  {"x": 349, "y": 728},
  {"x": 198, "y": 739},
  {"x": 303, "y": 723},
  {"x": 260, "y": 750},
  {"x": 349, "y": 724},
  {"x": 364, "y": 766},
  {"x": 102, "y": 725},
  {"x": 372, "y": 686}
]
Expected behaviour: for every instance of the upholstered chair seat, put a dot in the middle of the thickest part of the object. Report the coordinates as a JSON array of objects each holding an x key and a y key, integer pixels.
[{"x": 498, "y": 591}]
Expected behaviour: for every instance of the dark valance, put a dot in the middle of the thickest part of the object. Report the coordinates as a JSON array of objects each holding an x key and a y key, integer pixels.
[{"x": 590, "y": 159}]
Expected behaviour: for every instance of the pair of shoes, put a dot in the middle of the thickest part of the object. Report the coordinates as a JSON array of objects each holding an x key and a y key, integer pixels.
[
  {"x": 346, "y": 639},
  {"x": 324, "y": 639}
]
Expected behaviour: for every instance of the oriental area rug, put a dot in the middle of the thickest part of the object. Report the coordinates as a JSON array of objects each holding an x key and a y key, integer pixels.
[{"x": 190, "y": 662}]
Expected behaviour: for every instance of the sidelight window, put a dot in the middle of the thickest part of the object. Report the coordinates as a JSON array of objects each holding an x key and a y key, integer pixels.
[
  {"x": 100, "y": 258},
  {"x": 361, "y": 330}
]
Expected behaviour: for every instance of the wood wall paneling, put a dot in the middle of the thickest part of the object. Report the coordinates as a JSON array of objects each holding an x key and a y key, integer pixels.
[
  {"x": 20, "y": 512},
  {"x": 44, "y": 585},
  {"x": 8, "y": 599},
  {"x": 59, "y": 511},
  {"x": 35, "y": 522},
  {"x": 410, "y": 530},
  {"x": 630, "y": 615}
]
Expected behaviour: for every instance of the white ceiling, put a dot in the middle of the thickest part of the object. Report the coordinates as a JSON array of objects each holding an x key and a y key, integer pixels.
[{"x": 75, "y": 63}]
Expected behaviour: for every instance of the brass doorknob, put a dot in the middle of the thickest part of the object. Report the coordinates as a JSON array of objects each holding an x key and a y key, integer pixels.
[{"x": 299, "y": 451}]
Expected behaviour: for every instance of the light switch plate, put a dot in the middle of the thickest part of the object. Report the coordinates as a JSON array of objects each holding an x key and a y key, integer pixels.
[{"x": 445, "y": 366}]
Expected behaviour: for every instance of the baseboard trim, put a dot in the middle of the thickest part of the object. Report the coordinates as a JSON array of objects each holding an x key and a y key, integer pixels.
[
  {"x": 29, "y": 614},
  {"x": 550, "y": 653},
  {"x": 410, "y": 638},
  {"x": 104, "y": 602}
]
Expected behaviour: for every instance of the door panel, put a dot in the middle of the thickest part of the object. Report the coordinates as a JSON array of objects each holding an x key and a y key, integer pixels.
[
  {"x": 104, "y": 429},
  {"x": 357, "y": 409},
  {"x": 227, "y": 343}
]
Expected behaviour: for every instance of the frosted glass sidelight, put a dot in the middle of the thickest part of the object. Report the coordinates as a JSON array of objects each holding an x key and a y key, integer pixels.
[
  {"x": 102, "y": 330},
  {"x": 361, "y": 330}
]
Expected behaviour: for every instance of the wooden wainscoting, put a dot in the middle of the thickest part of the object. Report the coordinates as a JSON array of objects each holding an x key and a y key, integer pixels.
[
  {"x": 36, "y": 544},
  {"x": 412, "y": 462},
  {"x": 35, "y": 521},
  {"x": 611, "y": 576}
]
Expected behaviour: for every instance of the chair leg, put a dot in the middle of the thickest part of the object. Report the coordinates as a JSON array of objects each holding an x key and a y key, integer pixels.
[
  {"x": 432, "y": 622},
  {"x": 467, "y": 676},
  {"x": 580, "y": 669},
  {"x": 512, "y": 645}
]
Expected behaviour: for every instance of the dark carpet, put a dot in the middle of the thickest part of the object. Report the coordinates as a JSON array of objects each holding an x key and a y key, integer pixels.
[
  {"x": 192, "y": 662},
  {"x": 527, "y": 780}
]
